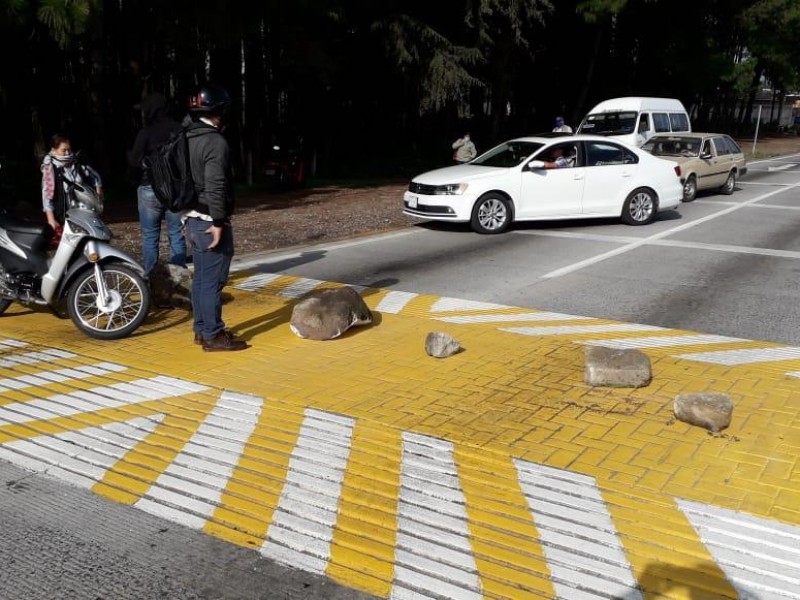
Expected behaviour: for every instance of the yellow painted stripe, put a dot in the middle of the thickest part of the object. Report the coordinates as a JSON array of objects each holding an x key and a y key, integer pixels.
[
  {"x": 367, "y": 518},
  {"x": 668, "y": 558},
  {"x": 133, "y": 474},
  {"x": 248, "y": 502},
  {"x": 505, "y": 541}
]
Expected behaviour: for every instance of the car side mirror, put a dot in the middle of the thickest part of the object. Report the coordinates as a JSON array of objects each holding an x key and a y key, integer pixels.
[
  {"x": 536, "y": 164},
  {"x": 706, "y": 156}
]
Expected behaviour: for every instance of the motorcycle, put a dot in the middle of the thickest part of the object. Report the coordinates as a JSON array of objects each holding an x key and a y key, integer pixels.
[{"x": 104, "y": 289}]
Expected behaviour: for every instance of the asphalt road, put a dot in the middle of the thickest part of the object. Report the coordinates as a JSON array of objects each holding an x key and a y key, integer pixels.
[{"x": 721, "y": 264}]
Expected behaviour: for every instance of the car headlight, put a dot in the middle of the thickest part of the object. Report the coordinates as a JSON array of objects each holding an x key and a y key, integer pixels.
[{"x": 451, "y": 189}]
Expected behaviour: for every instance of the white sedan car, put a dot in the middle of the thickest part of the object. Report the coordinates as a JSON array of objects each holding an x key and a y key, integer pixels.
[{"x": 519, "y": 181}]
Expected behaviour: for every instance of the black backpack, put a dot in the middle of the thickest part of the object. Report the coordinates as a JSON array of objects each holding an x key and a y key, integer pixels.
[{"x": 170, "y": 173}]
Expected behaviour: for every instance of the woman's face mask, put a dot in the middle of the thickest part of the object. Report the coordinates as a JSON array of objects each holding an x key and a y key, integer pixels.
[{"x": 63, "y": 153}]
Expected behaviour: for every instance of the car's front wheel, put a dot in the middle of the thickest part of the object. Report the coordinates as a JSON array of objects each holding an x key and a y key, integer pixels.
[
  {"x": 492, "y": 213},
  {"x": 729, "y": 185},
  {"x": 690, "y": 189},
  {"x": 640, "y": 207}
]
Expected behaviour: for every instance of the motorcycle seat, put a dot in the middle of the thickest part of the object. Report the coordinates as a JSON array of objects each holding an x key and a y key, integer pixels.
[{"x": 25, "y": 227}]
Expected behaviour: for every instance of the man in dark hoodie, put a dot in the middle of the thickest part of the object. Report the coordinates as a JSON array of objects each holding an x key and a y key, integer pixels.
[
  {"x": 208, "y": 224},
  {"x": 157, "y": 128}
]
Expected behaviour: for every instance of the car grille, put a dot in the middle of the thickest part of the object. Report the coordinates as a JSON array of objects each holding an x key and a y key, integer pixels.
[{"x": 419, "y": 188}]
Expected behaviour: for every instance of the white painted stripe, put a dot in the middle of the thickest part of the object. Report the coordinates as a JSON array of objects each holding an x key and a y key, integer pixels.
[
  {"x": 663, "y": 234},
  {"x": 576, "y": 329},
  {"x": 206, "y": 463},
  {"x": 746, "y": 356},
  {"x": 60, "y": 376},
  {"x": 782, "y": 167},
  {"x": 505, "y": 318},
  {"x": 302, "y": 524},
  {"x": 394, "y": 302},
  {"x": 112, "y": 396},
  {"x": 10, "y": 344},
  {"x": 257, "y": 281},
  {"x": 79, "y": 457},
  {"x": 754, "y": 206},
  {"x": 760, "y": 557},
  {"x": 582, "y": 548},
  {"x": 32, "y": 358},
  {"x": 300, "y": 288},
  {"x": 663, "y": 341},
  {"x": 445, "y": 304},
  {"x": 431, "y": 500}
]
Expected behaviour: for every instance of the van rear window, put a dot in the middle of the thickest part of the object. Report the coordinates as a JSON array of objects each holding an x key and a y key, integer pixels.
[{"x": 679, "y": 122}]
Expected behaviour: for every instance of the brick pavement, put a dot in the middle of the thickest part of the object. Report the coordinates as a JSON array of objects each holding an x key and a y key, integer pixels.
[{"x": 494, "y": 473}]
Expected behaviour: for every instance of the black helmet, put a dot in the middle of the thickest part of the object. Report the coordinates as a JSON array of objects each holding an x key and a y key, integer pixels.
[{"x": 211, "y": 99}]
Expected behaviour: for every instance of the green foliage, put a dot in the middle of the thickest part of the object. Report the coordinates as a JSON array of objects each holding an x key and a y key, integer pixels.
[{"x": 66, "y": 19}]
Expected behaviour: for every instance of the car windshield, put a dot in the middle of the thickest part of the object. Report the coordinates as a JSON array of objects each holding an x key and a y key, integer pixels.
[
  {"x": 672, "y": 146},
  {"x": 508, "y": 154},
  {"x": 610, "y": 123}
]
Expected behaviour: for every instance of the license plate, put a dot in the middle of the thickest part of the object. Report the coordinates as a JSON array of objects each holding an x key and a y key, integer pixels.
[{"x": 412, "y": 201}]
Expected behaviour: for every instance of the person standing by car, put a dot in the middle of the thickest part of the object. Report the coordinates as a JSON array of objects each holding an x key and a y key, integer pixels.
[
  {"x": 157, "y": 128},
  {"x": 561, "y": 127},
  {"x": 464, "y": 149},
  {"x": 208, "y": 224}
]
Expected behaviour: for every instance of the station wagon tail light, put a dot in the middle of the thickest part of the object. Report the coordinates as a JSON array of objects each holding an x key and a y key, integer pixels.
[
  {"x": 678, "y": 170},
  {"x": 451, "y": 189}
]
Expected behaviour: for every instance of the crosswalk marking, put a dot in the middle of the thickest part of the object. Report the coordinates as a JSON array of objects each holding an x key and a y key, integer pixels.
[
  {"x": 394, "y": 302},
  {"x": 433, "y": 552},
  {"x": 447, "y": 304},
  {"x": 32, "y": 358},
  {"x": 760, "y": 557},
  {"x": 9, "y": 344},
  {"x": 300, "y": 288},
  {"x": 97, "y": 398},
  {"x": 60, "y": 375},
  {"x": 504, "y": 318},
  {"x": 257, "y": 281},
  {"x": 745, "y": 356},
  {"x": 302, "y": 525},
  {"x": 663, "y": 341},
  {"x": 575, "y": 329},
  {"x": 202, "y": 469},
  {"x": 567, "y": 507},
  {"x": 79, "y": 457}
]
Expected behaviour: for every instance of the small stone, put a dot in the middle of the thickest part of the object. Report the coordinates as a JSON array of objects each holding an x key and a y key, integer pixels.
[
  {"x": 712, "y": 410},
  {"x": 171, "y": 286},
  {"x": 441, "y": 345}
]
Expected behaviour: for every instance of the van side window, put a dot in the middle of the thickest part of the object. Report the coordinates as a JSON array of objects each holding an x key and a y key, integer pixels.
[
  {"x": 644, "y": 123},
  {"x": 679, "y": 122},
  {"x": 661, "y": 122}
]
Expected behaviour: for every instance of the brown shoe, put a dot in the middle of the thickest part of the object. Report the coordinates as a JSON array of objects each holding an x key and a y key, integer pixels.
[
  {"x": 223, "y": 342},
  {"x": 198, "y": 338}
]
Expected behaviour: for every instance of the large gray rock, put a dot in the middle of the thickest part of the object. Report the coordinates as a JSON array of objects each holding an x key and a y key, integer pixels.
[
  {"x": 616, "y": 368},
  {"x": 441, "y": 345},
  {"x": 712, "y": 410},
  {"x": 171, "y": 286},
  {"x": 327, "y": 314}
]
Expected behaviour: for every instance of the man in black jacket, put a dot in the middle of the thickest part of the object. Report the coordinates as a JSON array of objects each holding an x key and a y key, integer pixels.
[
  {"x": 157, "y": 128},
  {"x": 208, "y": 224}
]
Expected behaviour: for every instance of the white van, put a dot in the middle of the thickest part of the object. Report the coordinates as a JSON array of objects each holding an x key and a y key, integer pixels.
[{"x": 634, "y": 119}]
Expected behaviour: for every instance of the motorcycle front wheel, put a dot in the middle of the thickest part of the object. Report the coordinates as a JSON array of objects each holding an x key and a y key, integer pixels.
[{"x": 118, "y": 314}]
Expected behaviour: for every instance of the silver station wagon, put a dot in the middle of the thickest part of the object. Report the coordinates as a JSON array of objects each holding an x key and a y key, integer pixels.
[{"x": 708, "y": 161}]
